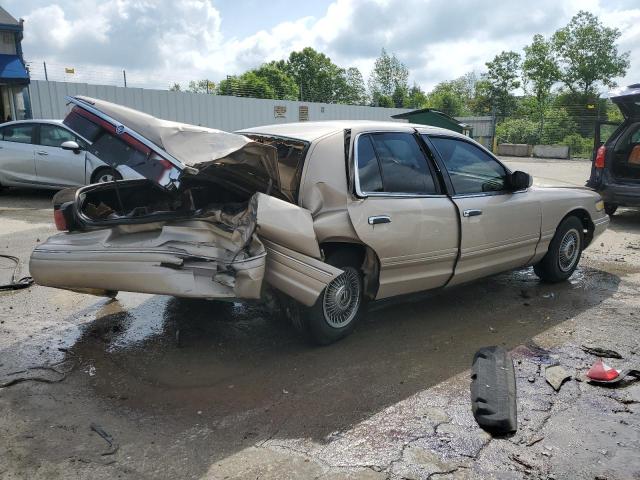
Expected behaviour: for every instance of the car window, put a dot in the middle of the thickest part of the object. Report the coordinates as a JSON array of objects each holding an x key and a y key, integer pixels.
[
  {"x": 394, "y": 163},
  {"x": 470, "y": 168},
  {"x": 369, "y": 174},
  {"x": 83, "y": 126},
  {"x": 54, "y": 136},
  {"x": 18, "y": 133},
  {"x": 114, "y": 151}
]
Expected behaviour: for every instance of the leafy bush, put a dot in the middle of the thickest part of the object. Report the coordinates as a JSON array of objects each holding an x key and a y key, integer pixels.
[
  {"x": 579, "y": 146},
  {"x": 558, "y": 124},
  {"x": 518, "y": 130}
]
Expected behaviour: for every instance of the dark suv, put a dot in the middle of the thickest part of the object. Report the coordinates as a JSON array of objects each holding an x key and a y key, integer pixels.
[{"x": 615, "y": 170}]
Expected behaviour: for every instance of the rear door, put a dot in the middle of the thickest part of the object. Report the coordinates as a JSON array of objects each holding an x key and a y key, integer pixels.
[
  {"x": 17, "y": 164},
  {"x": 402, "y": 213},
  {"x": 500, "y": 228},
  {"x": 54, "y": 165}
]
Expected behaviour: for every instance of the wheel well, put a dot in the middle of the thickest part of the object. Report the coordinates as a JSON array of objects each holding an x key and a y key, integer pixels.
[
  {"x": 584, "y": 217},
  {"x": 99, "y": 170},
  {"x": 365, "y": 257}
]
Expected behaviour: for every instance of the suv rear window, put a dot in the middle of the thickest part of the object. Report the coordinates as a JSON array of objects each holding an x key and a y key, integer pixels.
[
  {"x": 83, "y": 126},
  {"x": 291, "y": 157}
]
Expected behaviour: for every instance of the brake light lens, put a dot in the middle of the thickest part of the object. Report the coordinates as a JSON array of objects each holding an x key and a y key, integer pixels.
[
  {"x": 59, "y": 220},
  {"x": 600, "y": 155}
]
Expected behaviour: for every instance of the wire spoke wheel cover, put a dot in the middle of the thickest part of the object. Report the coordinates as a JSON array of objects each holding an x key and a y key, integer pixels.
[
  {"x": 341, "y": 299},
  {"x": 569, "y": 250}
]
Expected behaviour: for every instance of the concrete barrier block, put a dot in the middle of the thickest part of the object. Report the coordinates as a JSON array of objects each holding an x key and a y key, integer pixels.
[
  {"x": 514, "y": 149},
  {"x": 551, "y": 151}
]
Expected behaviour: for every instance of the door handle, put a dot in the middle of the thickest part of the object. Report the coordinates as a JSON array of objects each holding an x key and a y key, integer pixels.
[
  {"x": 42, "y": 152},
  {"x": 471, "y": 213},
  {"x": 376, "y": 219}
]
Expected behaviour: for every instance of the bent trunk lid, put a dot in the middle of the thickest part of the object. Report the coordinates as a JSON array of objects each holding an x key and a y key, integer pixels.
[{"x": 182, "y": 149}]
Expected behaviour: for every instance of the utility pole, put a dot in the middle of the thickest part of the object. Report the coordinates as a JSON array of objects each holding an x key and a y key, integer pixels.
[
  {"x": 46, "y": 77},
  {"x": 124, "y": 75}
]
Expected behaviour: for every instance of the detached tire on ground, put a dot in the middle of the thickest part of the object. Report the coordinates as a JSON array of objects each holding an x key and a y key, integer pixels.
[
  {"x": 564, "y": 252},
  {"x": 339, "y": 306}
]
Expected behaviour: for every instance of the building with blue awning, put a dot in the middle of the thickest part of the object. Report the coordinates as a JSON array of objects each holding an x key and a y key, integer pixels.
[{"x": 14, "y": 76}]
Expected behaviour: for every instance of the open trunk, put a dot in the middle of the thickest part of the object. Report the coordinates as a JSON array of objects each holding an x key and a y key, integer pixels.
[
  {"x": 210, "y": 219},
  {"x": 625, "y": 157},
  {"x": 202, "y": 242}
]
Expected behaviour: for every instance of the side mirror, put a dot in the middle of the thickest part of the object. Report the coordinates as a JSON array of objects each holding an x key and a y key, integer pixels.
[
  {"x": 520, "y": 181},
  {"x": 70, "y": 145}
]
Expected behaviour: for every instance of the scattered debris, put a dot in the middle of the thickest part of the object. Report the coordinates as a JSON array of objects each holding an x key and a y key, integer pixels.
[
  {"x": 602, "y": 374},
  {"x": 16, "y": 283},
  {"x": 601, "y": 352},
  {"x": 555, "y": 376},
  {"x": 531, "y": 443},
  {"x": 493, "y": 391},
  {"x": 516, "y": 458},
  {"x": 113, "y": 446},
  {"x": 63, "y": 374}
]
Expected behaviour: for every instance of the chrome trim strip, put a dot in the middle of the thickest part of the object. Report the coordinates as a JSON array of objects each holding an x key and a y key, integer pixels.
[{"x": 271, "y": 250}]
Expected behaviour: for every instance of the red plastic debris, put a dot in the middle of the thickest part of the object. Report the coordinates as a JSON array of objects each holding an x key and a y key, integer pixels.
[{"x": 601, "y": 371}]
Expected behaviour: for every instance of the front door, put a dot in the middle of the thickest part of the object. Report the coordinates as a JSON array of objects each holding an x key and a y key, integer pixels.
[
  {"x": 54, "y": 165},
  {"x": 17, "y": 165},
  {"x": 402, "y": 213},
  {"x": 500, "y": 228}
]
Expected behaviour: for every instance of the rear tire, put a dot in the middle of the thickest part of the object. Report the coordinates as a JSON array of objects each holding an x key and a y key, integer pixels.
[
  {"x": 339, "y": 306},
  {"x": 564, "y": 252},
  {"x": 610, "y": 209},
  {"x": 105, "y": 174}
]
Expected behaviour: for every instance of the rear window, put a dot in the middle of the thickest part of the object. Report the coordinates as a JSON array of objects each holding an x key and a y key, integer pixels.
[
  {"x": 84, "y": 127},
  {"x": 291, "y": 157}
]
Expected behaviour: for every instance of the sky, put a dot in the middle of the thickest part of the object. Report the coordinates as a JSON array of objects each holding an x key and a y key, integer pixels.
[{"x": 160, "y": 42}]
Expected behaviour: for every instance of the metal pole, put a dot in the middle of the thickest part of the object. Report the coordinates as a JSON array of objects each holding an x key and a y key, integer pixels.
[
  {"x": 124, "y": 75},
  {"x": 46, "y": 77}
]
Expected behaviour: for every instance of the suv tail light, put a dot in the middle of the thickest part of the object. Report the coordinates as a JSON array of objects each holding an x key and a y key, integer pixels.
[
  {"x": 601, "y": 153},
  {"x": 63, "y": 216}
]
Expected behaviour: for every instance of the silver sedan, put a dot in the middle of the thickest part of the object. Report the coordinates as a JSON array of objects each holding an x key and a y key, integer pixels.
[{"x": 48, "y": 154}]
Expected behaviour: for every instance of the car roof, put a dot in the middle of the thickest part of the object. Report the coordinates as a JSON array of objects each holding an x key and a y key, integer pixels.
[
  {"x": 18, "y": 122},
  {"x": 310, "y": 131}
]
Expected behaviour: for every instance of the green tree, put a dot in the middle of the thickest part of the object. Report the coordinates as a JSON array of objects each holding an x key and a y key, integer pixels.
[
  {"x": 540, "y": 72},
  {"x": 249, "y": 84},
  {"x": 389, "y": 78},
  {"x": 318, "y": 78},
  {"x": 518, "y": 130},
  {"x": 275, "y": 74},
  {"x": 588, "y": 54},
  {"x": 416, "y": 98},
  {"x": 447, "y": 97},
  {"x": 175, "y": 87},
  {"x": 201, "y": 86},
  {"x": 503, "y": 77},
  {"x": 351, "y": 89}
]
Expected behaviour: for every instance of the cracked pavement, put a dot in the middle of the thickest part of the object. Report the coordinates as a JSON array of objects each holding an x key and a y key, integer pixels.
[{"x": 205, "y": 390}]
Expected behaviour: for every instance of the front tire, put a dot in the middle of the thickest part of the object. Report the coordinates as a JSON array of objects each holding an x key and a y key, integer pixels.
[
  {"x": 564, "y": 252},
  {"x": 339, "y": 306}
]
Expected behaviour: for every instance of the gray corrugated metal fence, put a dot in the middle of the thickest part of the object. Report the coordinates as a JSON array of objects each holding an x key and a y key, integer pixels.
[{"x": 215, "y": 111}]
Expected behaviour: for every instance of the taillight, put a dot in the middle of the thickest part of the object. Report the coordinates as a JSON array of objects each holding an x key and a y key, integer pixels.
[
  {"x": 59, "y": 220},
  {"x": 600, "y": 155}
]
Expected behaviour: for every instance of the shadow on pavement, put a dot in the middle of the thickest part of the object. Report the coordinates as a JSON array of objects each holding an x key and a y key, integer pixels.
[{"x": 243, "y": 372}]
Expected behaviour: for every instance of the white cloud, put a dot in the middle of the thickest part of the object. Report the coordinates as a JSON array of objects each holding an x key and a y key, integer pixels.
[{"x": 160, "y": 42}]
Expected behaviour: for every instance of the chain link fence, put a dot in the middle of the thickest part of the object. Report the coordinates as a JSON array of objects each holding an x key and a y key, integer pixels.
[{"x": 571, "y": 126}]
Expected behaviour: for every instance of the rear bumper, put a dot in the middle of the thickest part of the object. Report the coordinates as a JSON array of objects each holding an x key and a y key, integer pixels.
[
  {"x": 156, "y": 272},
  {"x": 622, "y": 195}
]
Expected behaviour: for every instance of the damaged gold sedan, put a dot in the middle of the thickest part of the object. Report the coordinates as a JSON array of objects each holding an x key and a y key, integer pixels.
[{"x": 328, "y": 215}]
